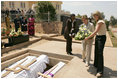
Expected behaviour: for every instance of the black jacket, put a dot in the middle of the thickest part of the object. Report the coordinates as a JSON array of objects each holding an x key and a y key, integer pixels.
[
  {"x": 17, "y": 22},
  {"x": 23, "y": 22},
  {"x": 70, "y": 28}
]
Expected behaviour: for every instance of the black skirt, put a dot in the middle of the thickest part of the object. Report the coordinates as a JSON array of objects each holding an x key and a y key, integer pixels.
[{"x": 23, "y": 28}]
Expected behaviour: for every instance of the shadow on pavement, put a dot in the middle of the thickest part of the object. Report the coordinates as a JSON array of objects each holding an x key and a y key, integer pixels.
[
  {"x": 78, "y": 55},
  {"x": 92, "y": 70},
  {"x": 108, "y": 73}
]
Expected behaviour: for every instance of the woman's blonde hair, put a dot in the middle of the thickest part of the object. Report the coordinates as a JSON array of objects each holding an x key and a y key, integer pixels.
[
  {"x": 84, "y": 17},
  {"x": 98, "y": 14}
]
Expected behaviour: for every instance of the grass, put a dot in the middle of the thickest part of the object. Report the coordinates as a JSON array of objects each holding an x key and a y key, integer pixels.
[{"x": 113, "y": 38}]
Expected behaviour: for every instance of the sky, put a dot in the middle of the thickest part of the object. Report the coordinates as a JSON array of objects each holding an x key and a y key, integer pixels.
[{"x": 109, "y": 8}]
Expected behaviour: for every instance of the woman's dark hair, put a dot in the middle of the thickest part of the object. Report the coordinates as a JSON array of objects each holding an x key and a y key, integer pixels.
[
  {"x": 31, "y": 15},
  {"x": 84, "y": 17},
  {"x": 23, "y": 17},
  {"x": 7, "y": 14},
  {"x": 72, "y": 15}
]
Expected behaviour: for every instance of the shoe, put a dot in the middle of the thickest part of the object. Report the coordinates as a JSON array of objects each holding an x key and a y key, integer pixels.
[
  {"x": 87, "y": 65},
  {"x": 69, "y": 53},
  {"x": 83, "y": 60},
  {"x": 98, "y": 75}
]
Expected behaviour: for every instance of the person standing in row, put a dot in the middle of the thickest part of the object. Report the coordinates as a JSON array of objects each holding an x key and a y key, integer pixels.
[
  {"x": 100, "y": 40},
  {"x": 31, "y": 29},
  {"x": 17, "y": 23},
  {"x": 7, "y": 22},
  {"x": 87, "y": 45},
  {"x": 69, "y": 33},
  {"x": 24, "y": 25}
]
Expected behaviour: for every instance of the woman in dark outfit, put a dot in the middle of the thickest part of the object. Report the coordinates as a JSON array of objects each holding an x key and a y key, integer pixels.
[
  {"x": 24, "y": 25},
  {"x": 100, "y": 40}
]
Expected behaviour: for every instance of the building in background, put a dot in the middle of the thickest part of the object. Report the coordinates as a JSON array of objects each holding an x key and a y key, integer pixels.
[
  {"x": 63, "y": 12},
  {"x": 26, "y": 5},
  {"x": 21, "y": 5}
]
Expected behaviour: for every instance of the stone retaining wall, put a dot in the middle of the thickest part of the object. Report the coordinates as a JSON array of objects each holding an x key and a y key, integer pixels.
[{"x": 51, "y": 27}]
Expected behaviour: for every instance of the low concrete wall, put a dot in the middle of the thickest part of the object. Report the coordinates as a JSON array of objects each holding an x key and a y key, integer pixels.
[{"x": 48, "y": 28}]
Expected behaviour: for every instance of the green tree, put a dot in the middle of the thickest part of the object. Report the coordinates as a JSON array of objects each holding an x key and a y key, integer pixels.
[
  {"x": 78, "y": 16},
  {"x": 45, "y": 11},
  {"x": 107, "y": 24},
  {"x": 113, "y": 21},
  {"x": 2, "y": 4}
]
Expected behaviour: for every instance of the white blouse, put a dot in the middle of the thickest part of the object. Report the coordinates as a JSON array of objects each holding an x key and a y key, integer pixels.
[{"x": 102, "y": 30}]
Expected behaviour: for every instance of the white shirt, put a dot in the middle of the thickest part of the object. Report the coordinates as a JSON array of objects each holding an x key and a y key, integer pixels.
[{"x": 102, "y": 30}]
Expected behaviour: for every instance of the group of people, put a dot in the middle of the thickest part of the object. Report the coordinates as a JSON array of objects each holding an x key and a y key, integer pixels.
[
  {"x": 21, "y": 22},
  {"x": 99, "y": 30},
  {"x": 12, "y": 11}
]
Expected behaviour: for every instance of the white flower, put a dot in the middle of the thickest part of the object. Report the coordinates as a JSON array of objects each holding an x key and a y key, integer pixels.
[{"x": 82, "y": 33}]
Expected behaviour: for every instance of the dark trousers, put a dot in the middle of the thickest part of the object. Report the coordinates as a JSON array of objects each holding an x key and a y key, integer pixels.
[
  {"x": 16, "y": 28},
  {"x": 68, "y": 44},
  {"x": 98, "y": 58}
]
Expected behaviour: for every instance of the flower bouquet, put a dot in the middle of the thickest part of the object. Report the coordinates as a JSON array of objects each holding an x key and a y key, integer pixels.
[
  {"x": 3, "y": 31},
  {"x": 13, "y": 33},
  {"x": 82, "y": 33},
  {"x": 19, "y": 32}
]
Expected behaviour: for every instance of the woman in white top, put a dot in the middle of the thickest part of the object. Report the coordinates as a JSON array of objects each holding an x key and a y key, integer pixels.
[
  {"x": 87, "y": 45},
  {"x": 100, "y": 40}
]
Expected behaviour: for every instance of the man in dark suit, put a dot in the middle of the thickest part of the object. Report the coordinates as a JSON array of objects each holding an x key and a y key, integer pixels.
[
  {"x": 17, "y": 23},
  {"x": 69, "y": 33}
]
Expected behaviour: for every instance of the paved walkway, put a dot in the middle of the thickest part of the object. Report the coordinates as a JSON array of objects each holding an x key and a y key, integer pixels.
[{"x": 110, "y": 56}]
